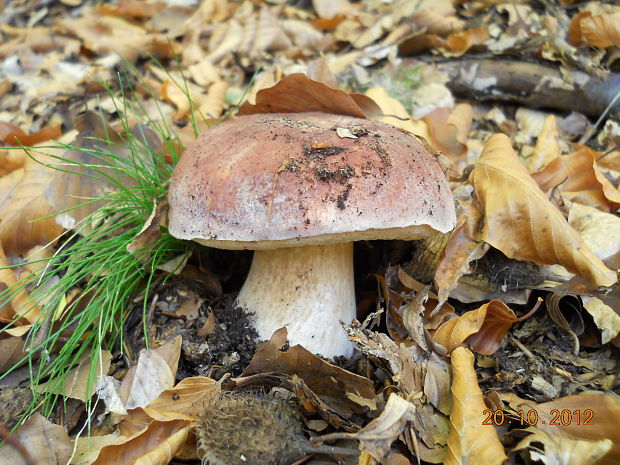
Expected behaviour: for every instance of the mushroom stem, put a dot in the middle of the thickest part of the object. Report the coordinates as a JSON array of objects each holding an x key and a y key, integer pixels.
[{"x": 307, "y": 289}]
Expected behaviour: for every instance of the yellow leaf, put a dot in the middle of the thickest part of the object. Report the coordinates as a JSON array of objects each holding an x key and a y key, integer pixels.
[
  {"x": 470, "y": 440},
  {"x": 522, "y": 223}
]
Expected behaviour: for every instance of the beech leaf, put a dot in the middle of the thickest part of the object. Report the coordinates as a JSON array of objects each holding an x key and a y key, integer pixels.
[
  {"x": 298, "y": 93},
  {"x": 520, "y": 220},
  {"x": 470, "y": 440}
]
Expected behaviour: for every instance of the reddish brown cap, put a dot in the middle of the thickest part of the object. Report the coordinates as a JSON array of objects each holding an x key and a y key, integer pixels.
[{"x": 276, "y": 180}]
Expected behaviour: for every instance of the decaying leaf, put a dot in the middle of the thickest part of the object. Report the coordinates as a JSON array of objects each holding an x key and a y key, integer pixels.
[
  {"x": 547, "y": 146},
  {"x": 377, "y": 436},
  {"x": 599, "y": 230},
  {"x": 605, "y": 318},
  {"x": 462, "y": 248},
  {"x": 186, "y": 397},
  {"x": 154, "y": 373},
  {"x": 482, "y": 329},
  {"x": 298, "y": 93},
  {"x": 331, "y": 383},
  {"x": 562, "y": 450},
  {"x": 22, "y": 203},
  {"x": 579, "y": 178},
  {"x": 470, "y": 441},
  {"x": 78, "y": 383},
  {"x": 156, "y": 445},
  {"x": 600, "y": 409},
  {"x": 522, "y": 223},
  {"x": 46, "y": 442},
  {"x": 20, "y": 303},
  {"x": 11, "y": 352}
]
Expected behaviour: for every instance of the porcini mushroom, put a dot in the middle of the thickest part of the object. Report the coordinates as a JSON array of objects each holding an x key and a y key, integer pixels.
[{"x": 299, "y": 189}]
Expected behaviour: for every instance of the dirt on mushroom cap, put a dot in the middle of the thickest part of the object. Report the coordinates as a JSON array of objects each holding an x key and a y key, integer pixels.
[{"x": 291, "y": 179}]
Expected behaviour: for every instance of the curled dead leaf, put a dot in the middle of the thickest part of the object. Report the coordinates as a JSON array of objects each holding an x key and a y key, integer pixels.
[
  {"x": 522, "y": 223},
  {"x": 482, "y": 329},
  {"x": 298, "y": 93},
  {"x": 470, "y": 440},
  {"x": 579, "y": 178}
]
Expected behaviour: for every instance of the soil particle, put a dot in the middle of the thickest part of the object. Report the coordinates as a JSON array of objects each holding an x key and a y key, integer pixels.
[{"x": 319, "y": 153}]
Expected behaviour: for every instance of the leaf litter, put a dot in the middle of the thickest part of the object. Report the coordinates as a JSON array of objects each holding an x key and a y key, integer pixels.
[{"x": 537, "y": 218}]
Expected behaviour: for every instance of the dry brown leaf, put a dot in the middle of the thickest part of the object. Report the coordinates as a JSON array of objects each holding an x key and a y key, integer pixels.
[
  {"x": 605, "y": 318},
  {"x": 470, "y": 440},
  {"x": 11, "y": 352},
  {"x": 154, "y": 373},
  {"x": 606, "y": 412},
  {"x": 156, "y": 445},
  {"x": 185, "y": 397},
  {"x": 377, "y": 436},
  {"x": 457, "y": 43},
  {"x": 131, "y": 9},
  {"x": 297, "y": 93},
  {"x": 22, "y": 201},
  {"x": 13, "y": 135},
  {"x": 462, "y": 248},
  {"x": 78, "y": 383},
  {"x": 600, "y": 231},
  {"x": 600, "y": 409},
  {"x": 329, "y": 9},
  {"x": 46, "y": 442},
  {"x": 20, "y": 303},
  {"x": 395, "y": 113},
  {"x": 482, "y": 329},
  {"x": 324, "y": 379},
  {"x": 109, "y": 34},
  {"x": 563, "y": 450},
  {"x": 547, "y": 146},
  {"x": 578, "y": 177},
  {"x": 522, "y": 223},
  {"x": 438, "y": 17},
  {"x": 11, "y": 159},
  {"x": 449, "y": 128},
  {"x": 213, "y": 104},
  {"x": 600, "y": 30}
]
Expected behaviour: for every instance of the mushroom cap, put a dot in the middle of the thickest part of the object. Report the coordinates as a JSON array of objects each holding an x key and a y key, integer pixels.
[{"x": 275, "y": 180}]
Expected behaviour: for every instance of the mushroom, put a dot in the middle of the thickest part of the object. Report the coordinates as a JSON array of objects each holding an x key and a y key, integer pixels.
[{"x": 299, "y": 189}]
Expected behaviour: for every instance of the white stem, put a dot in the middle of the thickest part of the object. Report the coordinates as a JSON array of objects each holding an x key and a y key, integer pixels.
[{"x": 308, "y": 290}]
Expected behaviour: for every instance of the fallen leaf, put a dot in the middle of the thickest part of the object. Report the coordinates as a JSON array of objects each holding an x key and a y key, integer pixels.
[
  {"x": 482, "y": 329},
  {"x": 580, "y": 179},
  {"x": 13, "y": 135},
  {"x": 562, "y": 450},
  {"x": 599, "y": 230},
  {"x": 601, "y": 31},
  {"x": 80, "y": 383},
  {"x": 20, "y": 304},
  {"x": 470, "y": 440},
  {"x": 156, "y": 445},
  {"x": 109, "y": 34},
  {"x": 522, "y": 223},
  {"x": 330, "y": 382},
  {"x": 461, "y": 250},
  {"x": 185, "y": 397},
  {"x": 46, "y": 442},
  {"x": 154, "y": 373},
  {"x": 297, "y": 93},
  {"x": 377, "y": 436},
  {"x": 547, "y": 146},
  {"x": 22, "y": 201},
  {"x": 11, "y": 352},
  {"x": 605, "y": 318}
]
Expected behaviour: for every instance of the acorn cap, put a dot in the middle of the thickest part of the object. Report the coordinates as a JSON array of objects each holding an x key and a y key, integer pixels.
[{"x": 276, "y": 180}]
